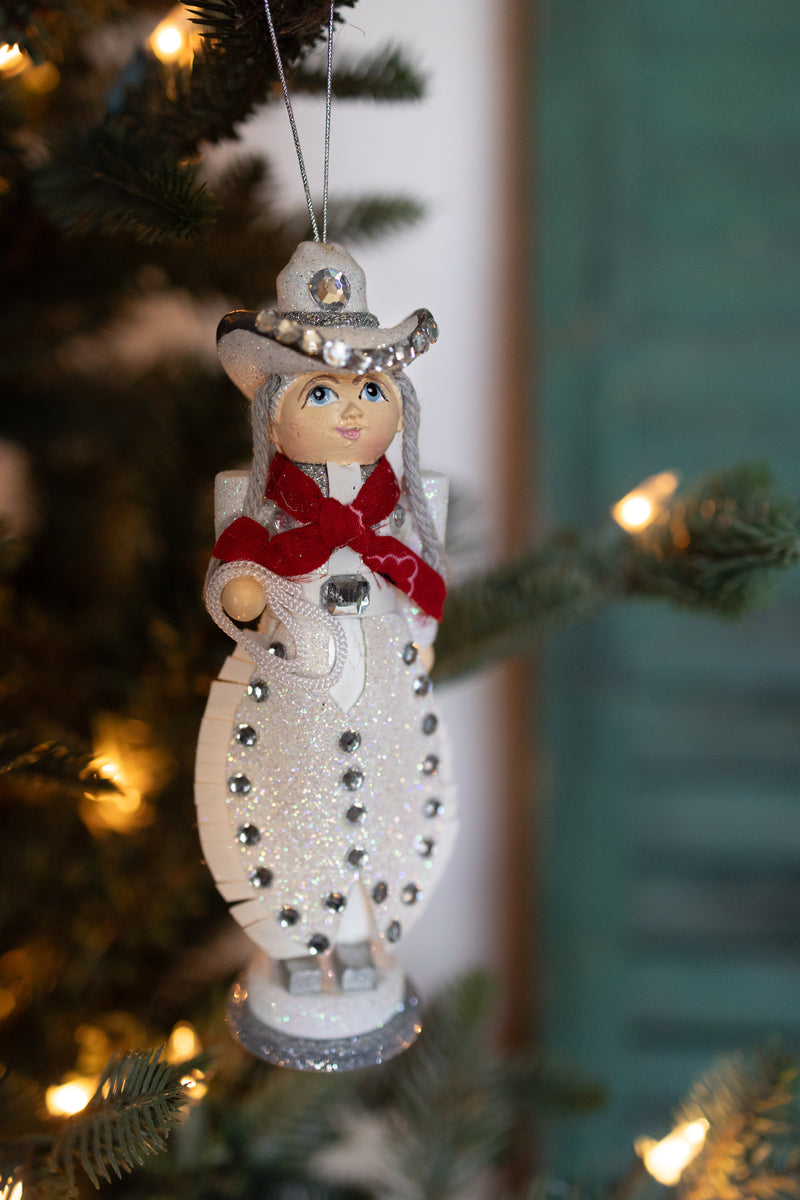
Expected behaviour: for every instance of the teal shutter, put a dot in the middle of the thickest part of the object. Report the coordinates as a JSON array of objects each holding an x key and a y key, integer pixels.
[{"x": 667, "y": 146}]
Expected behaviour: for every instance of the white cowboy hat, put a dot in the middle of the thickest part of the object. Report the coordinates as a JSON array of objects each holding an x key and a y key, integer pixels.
[{"x": 321, "y": 317}]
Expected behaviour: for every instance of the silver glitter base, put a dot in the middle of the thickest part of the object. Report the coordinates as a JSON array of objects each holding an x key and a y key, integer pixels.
[{"x": 317, "y": 1054}]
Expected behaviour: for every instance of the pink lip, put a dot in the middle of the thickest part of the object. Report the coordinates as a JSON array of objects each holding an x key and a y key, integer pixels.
[{"x": 351, "y": 434}]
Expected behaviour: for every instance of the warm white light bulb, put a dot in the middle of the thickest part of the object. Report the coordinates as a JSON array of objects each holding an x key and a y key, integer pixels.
[
  {"x": 69, "y": 1098},
  {"x": 167, "y": 42},
  {"x": 639, "y": 508},
  {"x": 12, "y": 59},
  {"x": 667, "y": 1160}
]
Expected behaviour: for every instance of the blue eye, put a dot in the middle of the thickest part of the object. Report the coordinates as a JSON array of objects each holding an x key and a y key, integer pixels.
[
  {"x": 371, "y": 391},
  {"x": 319, "y": 396}
]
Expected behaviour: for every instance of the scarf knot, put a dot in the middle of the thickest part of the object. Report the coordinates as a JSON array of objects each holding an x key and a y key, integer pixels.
[{"x": 328, "y": 525}]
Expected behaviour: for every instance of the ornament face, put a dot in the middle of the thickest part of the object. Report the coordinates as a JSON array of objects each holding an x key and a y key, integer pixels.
[{"x": 337, "y": 418}]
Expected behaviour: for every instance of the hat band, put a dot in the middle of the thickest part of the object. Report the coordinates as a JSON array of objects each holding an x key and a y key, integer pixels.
[{"x": 356, "y": 320}]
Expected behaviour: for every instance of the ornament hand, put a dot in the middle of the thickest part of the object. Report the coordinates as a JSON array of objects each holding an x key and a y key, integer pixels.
[{"x": 243, "y": 598}]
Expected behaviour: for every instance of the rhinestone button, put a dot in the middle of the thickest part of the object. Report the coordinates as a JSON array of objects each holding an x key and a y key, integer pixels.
[
  {"x": 330, "y": 289},
  {"x": 246, "y": 735},
  {"x": 422, "y": 685},
  {"x": 430, "y": 765},
  {"x": 261, "y": 877},
  {"x": 350, "y": 741},
  {"x": 357, "y": 857},
  {"x": 394, "y": 931},
  {"x": 257, "y": 688},
  {"x": 430, "y": 723},
  {"x": 424, "y": 847},
  {"x": 380, "y": 892},
  {"x": 432, "y": 808},
  {"x": 411, "y": 893},
  {"x": 317, "y": 943},
  {"x": 278, "y": 649},
  {"x": 335, "y": 902},
  {"x": 353, "y": 779},
  {"x": 354, "y": 813},
  {"x": 240, "y": 784},
  {"x": 248, "y": 835},
  {"x": 288, "y": 916},
  {"x": 410, "y": 653}
]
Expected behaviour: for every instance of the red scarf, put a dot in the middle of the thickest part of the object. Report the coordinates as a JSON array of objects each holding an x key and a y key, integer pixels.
[{"x": 328, "y": 525}]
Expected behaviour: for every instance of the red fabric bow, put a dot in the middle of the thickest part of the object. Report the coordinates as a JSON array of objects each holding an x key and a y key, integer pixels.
[{"x": 326, "y": 526}]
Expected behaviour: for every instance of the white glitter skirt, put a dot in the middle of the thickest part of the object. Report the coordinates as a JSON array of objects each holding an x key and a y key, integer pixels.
[{"x": 301, "y": 804}]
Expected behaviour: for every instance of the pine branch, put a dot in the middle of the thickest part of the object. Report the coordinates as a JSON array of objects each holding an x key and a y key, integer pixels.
[
  {"x": 386, "y": 75},
  {"x": 752, "y": 1149},
  {"x": 718, "y": 549},
  {"x": 371, "y": 217},
  {"x": 111, "y": 179},
  {"x": 136, "y": 1105}
]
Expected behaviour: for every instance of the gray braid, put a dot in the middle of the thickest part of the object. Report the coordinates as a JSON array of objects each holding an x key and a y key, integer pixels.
[
  {"x": 265, "y": 405},
  {"x": 432, "y": 549}
]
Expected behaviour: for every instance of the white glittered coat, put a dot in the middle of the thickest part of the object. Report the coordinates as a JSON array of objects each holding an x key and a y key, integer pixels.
[{"x": 327, "y": 813}]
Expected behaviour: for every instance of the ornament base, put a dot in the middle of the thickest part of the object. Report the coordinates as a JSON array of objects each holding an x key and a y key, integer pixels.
[{"x": 329, "y": 1030}]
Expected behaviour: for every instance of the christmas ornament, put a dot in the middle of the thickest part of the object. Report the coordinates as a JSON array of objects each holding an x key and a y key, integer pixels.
[{"x": 324, "y": 796}]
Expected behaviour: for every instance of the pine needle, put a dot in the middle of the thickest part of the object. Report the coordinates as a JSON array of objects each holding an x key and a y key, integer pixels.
[
  {"x": 386, "y": 75},
  {"x": 136, "y": 1105},
  {"x": 111, "y": 180}
]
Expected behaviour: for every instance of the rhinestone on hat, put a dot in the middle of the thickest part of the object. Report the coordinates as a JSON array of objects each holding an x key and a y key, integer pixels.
[{"x": 330, "y": 289}]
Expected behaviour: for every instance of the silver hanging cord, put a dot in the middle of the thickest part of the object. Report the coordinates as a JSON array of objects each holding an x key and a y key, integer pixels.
[
  {"x": 293, "y": 124},
  {"x": 327, "y": 128}
]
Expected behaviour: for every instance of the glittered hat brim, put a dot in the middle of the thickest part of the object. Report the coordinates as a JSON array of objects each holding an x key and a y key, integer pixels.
[{"x": 250, "y": 354}]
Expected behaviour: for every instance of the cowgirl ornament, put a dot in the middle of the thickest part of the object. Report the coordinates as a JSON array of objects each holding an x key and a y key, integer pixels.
[{"x": 323, "y": 791}]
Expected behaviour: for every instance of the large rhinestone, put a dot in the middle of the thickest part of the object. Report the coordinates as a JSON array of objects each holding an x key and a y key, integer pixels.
[
  {"x": 248, "y": 835},
  {"x": 419, "y": 342},
  {"x": 432, "y": 808},
  {"x": 246, "y": 735},
  {"x": 335, "y": 902},
  {"x": 411, "y": 893},
  {"x": 357, "y": 857},
  {"x": 288, "y": 916},
  {"x": 394, "y": 931},
  {"x": 410, "y": 653},
  {"x": 425, "y": 847},
  {"x": 350, "y": 741},
  {"x": 336, "y": 353},
  {"x": 330, "y": 289},
  {"x": 430, "y": 765},
  {"x": 261, "y": 877},
  {"x": 257, "y": 688},
  {"x": 429, "y": 723},
  {"x": 355, "y": 813},
  {"x": 353, "y": 779},
  {"x": 239, "y": 784},
  {"x": 380, "y": 892},
  {"x": 278, "y": 649}
]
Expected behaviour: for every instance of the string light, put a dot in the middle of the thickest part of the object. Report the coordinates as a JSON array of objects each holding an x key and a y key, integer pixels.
[
  {"x": 172, "y": 39},
  {"x": 125, "y": 757},
  {"x": 667, "y": 1160},
  {"x": 12, "y": 1191},
  {"x": 71, "y": 1096},
  {"x": 183, "y": 1043},
  {"x": 12, "y": 60},
  {"x": 639, "y": 508}
]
